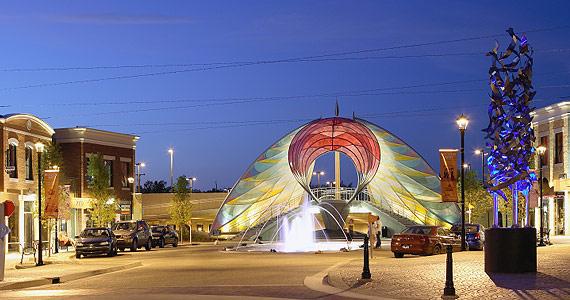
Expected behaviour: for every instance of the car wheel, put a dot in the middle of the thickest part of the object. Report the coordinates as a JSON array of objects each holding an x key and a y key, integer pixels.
[
  {"x": 116, "y": 251},
  {"x": 111, "y": 252},
  {"x": 148, "y": 245},
  {"x": 436, "y": 250},
  {"x": 134, "y": 245},
  {"x": 161, "y": 243},
  {"x": 122, "y": 249},
  {"x": 78, "y": 255},
  {"x": 175, "y": 244},
  {"x": 398, "y": 255}
]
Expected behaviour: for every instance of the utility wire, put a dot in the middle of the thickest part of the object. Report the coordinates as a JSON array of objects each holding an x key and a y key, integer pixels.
[
  {"x": 145, "y": 66},
  {"x": 205, "y": 68}
]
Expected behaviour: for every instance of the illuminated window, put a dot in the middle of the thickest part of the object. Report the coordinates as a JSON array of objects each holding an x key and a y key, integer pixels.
[
  {"x": 11, "y": 158},
  {"x": 29, "y": 163},
  {"x": 558, "y": 154},
  {"x": 109, "y": 166},
  {"x": 200, "y": 227},
  {"x": 126, "y": 173},
  {"x": 544, "y": 142}
]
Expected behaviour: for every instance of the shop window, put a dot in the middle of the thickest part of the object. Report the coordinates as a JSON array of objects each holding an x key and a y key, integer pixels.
[
  {"x": 558, "y": 154},
  {"x": 29, "y": 163},
  {"x": 544, "y": 142},
  {"x": 11, "y": 159}
]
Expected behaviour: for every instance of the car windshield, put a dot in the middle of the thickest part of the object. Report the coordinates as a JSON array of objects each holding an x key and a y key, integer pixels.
[
  {"x": 124, "y": 226},
  {"x": 469, "y": 228},
  {"x": 157, "y": 228},
  {"x": 417, "y": 230},
  {"x": 93, "y": 233}
]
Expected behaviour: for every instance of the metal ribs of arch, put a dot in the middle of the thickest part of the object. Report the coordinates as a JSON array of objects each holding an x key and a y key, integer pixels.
[{"x": 334, "y": 134}]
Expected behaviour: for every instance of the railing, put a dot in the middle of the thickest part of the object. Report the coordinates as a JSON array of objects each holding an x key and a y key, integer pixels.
[{"x": 344, "y": 193}]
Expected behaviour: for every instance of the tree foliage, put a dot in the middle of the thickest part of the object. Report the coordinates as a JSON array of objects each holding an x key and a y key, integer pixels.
[
  {"x": 181, "y": 209},
  {"x": 481, "y": 202},
  {"x": 103, "y": 209},
  {"x": 157, "y": 186}
]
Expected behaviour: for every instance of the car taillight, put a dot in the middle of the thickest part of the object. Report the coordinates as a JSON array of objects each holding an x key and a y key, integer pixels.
[{"x": 477, "y": 236}]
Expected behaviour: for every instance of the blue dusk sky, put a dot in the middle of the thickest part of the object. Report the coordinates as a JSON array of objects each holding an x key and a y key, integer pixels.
[{"x": 216, "y": 82}]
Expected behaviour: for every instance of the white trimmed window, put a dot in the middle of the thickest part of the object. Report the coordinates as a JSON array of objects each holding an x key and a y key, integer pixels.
[{"x": 12, "y": 158}]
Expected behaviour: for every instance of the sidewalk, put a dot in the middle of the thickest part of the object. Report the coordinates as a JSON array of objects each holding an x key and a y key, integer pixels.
[
  {"x": 61, "y": 266},
  {"x": 423, "y": 277}
]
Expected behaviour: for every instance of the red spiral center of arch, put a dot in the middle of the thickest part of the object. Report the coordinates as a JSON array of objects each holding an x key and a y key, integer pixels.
[{"x": 344, "y": 135}]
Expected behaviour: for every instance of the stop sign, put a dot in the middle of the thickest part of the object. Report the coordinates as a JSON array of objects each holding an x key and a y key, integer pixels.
[{"x": 9, "y": 208}]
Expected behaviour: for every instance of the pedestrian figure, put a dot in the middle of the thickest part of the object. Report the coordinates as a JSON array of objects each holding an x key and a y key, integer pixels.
[
  {"x": 378, "y": 234},
  {"x": 373, "y": 234}
]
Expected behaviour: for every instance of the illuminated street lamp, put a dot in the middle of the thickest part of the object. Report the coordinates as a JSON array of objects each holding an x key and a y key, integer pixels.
[
  {"x": 329, "y": 184},
  {"x": 541, "y": 150},
  {"x": 462, "y": 123},
  {"x": 40, "y": 150},
  {"x": 171, "y": 152},
  {"x": 139, "y": 166},
  {"x": 191, "y": 182},
  {"x": 319, "y": 174}
]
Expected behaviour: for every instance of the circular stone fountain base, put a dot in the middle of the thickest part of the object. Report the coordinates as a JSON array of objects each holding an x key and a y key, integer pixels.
[{"x": 317, "y": 246}]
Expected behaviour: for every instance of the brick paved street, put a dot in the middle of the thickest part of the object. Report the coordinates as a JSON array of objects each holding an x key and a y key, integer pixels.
[{"x": 416, "y": 277}]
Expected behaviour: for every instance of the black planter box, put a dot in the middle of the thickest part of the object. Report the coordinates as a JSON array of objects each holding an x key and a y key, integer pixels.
[{"x": 510, "y": 250}]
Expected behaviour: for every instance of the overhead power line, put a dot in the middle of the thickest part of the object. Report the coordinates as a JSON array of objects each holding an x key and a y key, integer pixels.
[
  {"x": 178, "y": 65},
  {"x": 274, "y": 61}
]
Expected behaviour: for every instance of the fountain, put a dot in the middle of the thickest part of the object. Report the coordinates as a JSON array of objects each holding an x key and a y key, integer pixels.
[{"x": 298, "y": 235}]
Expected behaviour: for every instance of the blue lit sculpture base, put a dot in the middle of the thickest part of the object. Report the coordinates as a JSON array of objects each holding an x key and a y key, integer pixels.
[{"x": 510, "y": 250}]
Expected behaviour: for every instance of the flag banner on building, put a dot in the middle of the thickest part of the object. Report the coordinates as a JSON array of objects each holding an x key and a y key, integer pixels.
[
  {"x": 51, "y": 183},
  {"x": 448, "y": 174}
]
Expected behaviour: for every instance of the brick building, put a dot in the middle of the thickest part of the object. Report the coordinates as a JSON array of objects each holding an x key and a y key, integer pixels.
[
  {"x": 19, "y": 134},
  {"x": 118, "y": 151}
]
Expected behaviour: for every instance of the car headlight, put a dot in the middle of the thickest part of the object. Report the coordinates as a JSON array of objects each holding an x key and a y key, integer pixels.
[{"x": 104, "y": 243}]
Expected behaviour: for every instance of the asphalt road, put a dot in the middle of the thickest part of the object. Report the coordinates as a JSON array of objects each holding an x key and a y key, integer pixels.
[{"x": 198, "y": 272}]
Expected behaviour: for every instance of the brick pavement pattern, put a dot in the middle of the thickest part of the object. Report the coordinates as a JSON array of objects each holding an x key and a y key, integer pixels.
[{"x": 423, "y": 277}]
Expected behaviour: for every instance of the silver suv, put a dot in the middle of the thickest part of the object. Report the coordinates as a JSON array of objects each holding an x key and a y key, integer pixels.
[{"x": 133, "y": 235}]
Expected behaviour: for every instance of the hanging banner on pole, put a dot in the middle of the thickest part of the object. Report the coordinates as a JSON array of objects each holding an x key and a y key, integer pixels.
[
  {"x": 448, "y": 174},
  {"x": 51, "y": 183}
]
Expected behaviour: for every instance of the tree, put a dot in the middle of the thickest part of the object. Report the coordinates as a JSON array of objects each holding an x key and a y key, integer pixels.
[
  {"x": 154, "y": 187},
  {"x": 102, "y": 204},
  {"x": 181, "y": 209},
  {"x": 481, "y": 202},
  {"x": 476, "y": 197}
]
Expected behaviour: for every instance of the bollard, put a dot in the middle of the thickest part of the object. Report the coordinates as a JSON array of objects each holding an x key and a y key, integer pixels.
[
  {"x": 366, "y": 268},
  {"x": 449, "y": 290}
]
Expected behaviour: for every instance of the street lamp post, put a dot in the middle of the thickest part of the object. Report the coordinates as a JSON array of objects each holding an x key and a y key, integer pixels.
[
  {"x": 139, "y": 166},
  {"x": 541, "y": 150},
  {"x": 462, "y": 123},
  {"x": 171, "y": 152},
  {"x": 319, "y": 174},
  {"x": 191, "y": 182},
  {"x": 40, "y": 150}
]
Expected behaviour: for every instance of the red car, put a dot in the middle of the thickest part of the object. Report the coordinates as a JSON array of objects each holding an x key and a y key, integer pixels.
[{"x": 424, "y": 240}]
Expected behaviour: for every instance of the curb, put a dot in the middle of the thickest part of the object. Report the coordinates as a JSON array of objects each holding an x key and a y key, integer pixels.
[
  {"x": 320, "y": 282},
  {"x": 66, "y": 278}
]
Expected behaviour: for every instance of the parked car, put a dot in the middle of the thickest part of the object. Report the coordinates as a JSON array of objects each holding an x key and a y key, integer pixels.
[
  {"x": 96, "y": 241},
  {"x": 163, "y": 235},
  {"x": 133, "y": 235},
  {"x": 474, "y": 235},
  {"x": 423, "y": 240}
]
